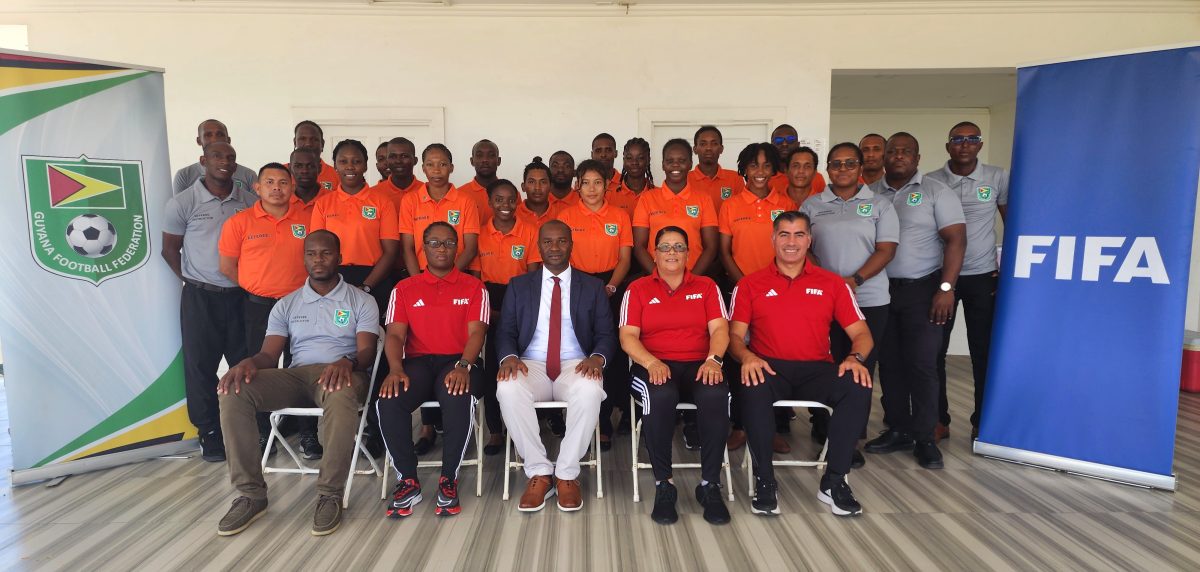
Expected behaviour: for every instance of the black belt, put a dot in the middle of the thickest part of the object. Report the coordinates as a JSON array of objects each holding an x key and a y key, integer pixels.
[
  {"x": 261, "y": 299},
  {"x": 210, "y": 288},
  {"x": 903, "y": 281}
]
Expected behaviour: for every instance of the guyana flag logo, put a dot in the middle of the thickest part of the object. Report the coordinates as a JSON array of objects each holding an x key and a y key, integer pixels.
[{"x": 87, "y": 217}]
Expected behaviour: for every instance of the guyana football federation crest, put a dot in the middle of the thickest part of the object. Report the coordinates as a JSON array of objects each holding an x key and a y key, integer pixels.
[
  {"x": 866, "y": 209},
  {"x": 299, "y": 231},
  {"x": 984, "y": 194},
  {"x": 341, "y": 318},
  {"x": 518, "y": 251},
  {"x": 611, "y": 229},
  {"x": 370, "y": 213},
  {"x": 915, "y": 199},
  {"x": 693, "y": 211},
  {"x": 775, "y": 214},
  {"x": 453, "y": 217},
  {"x": 87, "y": 217},
  {"x": 726, "y": 192}
]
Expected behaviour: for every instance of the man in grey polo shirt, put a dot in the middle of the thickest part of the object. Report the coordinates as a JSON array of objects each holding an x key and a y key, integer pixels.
[
  {"x": 208, "y": 131},
  {"x": 922, "y": 278},
  {"x": 332, "y": 328},
  {"x": 210, "y": 313},
  {"x": 983, "y": 191}
]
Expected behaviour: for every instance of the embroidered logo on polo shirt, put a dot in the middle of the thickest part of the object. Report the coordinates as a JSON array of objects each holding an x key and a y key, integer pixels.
[
  {"x": 453, "y": 217},
  {"x": 775, "y": 214},
  {"x": 984, "y": 194},
  {"x": 726, "y": 192},
  {"x": 341, "y": 318},
  {"x": 328, "y": 186},
  {"x": 914, "y": 199},
  {"x": 654, "y": 301},
  {"x": 611, "y": 229},
  {"x": 814, "y": 291},
  {"x": 694, "y": 297},
  {"x": 771, "y": 292},
  {"x": 518, "y": 251},
  {"x": 369, "y": 213},
  {"x": 420, "y": 303},
  {"x": 865, "y": 209},
  {"x": 299, "y": 231},
  {"x": 693, "y": 211}
]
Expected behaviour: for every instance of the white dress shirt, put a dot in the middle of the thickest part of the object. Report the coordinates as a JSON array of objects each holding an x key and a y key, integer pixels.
[{"x": 569, "y": 347}]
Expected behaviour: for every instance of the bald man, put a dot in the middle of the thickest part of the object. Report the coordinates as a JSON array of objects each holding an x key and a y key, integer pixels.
[{"x": 212, "y": 130}]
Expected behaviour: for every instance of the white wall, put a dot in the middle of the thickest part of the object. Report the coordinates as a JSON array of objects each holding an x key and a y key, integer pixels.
[{"x": 929, "y": 126}]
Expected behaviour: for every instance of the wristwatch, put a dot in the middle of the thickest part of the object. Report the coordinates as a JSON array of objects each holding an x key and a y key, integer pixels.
[
  {"x": 859, "y": 357},
  {"x": 858, "y": 279},
  {"x": 366, "y": 288},
  {"x": 462, "y": 363},
  {"x": 717, "y": 360},
  {"x": 946, "y": 287},
  {"x": 353, "y": 359}
]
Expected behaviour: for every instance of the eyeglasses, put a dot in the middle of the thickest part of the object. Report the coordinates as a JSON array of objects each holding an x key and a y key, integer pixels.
[
  {"x": 960, "y": 139},
  {"x": 677, "y": 247},
  {"x": 436, "y": 244},
  {"x": 848, "y": 164},
  {"x": 785, "y": 139}
]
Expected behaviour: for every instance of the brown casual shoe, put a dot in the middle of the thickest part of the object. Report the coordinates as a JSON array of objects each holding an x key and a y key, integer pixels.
[
  {"x": 780, "y": 445},
  {"x": 241, "y": 515},
  {"x": 328, "y": 516},
  {"x": 537, "y": 491},
  {"x": 737, "y": 439},
  {"x": 940, "y": 432},
  {"x": 570, "y": 498}
]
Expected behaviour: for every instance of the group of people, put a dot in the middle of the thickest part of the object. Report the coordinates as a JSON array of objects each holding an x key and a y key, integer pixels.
[{"x": 587, "y": 284}]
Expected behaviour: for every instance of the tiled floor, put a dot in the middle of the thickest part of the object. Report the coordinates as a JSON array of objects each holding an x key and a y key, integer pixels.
[{"x": 976, "y": 514}]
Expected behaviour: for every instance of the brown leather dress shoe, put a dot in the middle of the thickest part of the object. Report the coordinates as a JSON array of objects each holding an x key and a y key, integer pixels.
[
  {"x": 570, "y": 497},
  {"x": 780, "y": 445},
  {"x": 737, "y": 438},
  {"x": 537, "y": 491}
]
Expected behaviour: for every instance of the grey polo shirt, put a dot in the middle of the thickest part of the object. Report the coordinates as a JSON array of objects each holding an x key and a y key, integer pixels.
[
  {"x": 243, "y": 178},
  {"x": 197, "y": 215},
  {"x": 924, "y": 206},
  {"x": 323, "y": 329},
  {"x": 980, "y": 193},
  {"x": 845, "y": 233}
]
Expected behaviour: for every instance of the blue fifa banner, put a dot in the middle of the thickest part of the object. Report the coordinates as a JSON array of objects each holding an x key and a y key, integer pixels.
[{"x": 1085, "y": 361}]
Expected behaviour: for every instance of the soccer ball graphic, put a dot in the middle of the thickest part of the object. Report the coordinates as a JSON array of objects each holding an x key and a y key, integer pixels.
[{"x": 91, "y": 235}]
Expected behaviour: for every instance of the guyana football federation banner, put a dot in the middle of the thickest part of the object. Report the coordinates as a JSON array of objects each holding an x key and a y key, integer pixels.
[
  {"x": 89, "y": 319},
  {"x": 1085, "y": 362}
]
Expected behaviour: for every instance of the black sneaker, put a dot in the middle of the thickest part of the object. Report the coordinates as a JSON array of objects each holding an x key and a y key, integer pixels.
[
  {"x": 425, "y": 444},
  {"x": 623, "y": 424},
  {"x": 556, "y": 423},
  {"x": 447, "y": 498},
  {"x": 709, "y": 497},
  {"x": 262, "y": 445},
  {"x": 764, "y": 498},
  {"x": 310, "y": 446},
  {"x": 928, "y": 455},
  {"x": 438, "y": 428},
  {"x": 889, "y": 440},
  {"x": 839, "y": 497},
  {"x": 858, "y": 460},
  {"x": 212, "y": 447},
  {"x": 404, "y": 498},
  {"x": 664, "y": 511},
  {"x": 691, "y": 436}
]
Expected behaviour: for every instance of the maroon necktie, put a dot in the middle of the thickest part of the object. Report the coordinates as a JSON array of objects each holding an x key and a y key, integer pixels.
[{"x": 554, "y": 344}]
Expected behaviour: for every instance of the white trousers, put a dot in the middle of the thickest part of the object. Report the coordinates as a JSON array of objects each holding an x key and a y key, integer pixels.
[{"x": 583, "y": 397}]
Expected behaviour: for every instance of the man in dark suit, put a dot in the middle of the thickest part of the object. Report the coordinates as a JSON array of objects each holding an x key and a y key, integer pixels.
[{"x": 555, "y": 340}]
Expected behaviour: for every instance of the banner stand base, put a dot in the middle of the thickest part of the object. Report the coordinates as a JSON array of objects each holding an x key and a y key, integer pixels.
[
  {"x": 29, "y": 476},
  {"x": 1075, "y": 466}
]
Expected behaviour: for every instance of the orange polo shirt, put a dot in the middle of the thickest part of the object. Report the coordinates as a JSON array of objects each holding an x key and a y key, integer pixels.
[
  {"x": 308, "y": 207},
  {"x": 571, "y": 199},
  {"x": 503, "y": 255},
  {"x": 720, "y": 188},
  {"x": 533, "y": 219},
  {"x": 690, "y": 210},
  {"x": 328, "y": 177},
  {"x": 779, "y": 182},
  {"x": 748, "y": 220},
  {"x": 361, "y": 221},
  {"x": 418, "y": 210},
  {"x": 270, "y": 251},
  {"x": 624, "y": 198},
  {"x": 396, "y": 193},
  {"x": 597, "y": 235},
  {"x": 478, "y": 193},
  {"x": 615, "y": 182}
]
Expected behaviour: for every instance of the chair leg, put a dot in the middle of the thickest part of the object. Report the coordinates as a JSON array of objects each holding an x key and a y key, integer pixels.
[
  {"x": 507, "y": 466},
  {"x": 478, "y": 451},
  {"x": 274, "y": 419},
  {"x": 599, "y": 465},
  {"x": 728, "y": 475},
  {"x": 634, "y": 439},
  {"x": 749, "y": 473}
]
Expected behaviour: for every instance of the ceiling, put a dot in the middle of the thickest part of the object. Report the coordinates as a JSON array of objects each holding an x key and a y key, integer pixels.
[{"x": 922, "y": 89}]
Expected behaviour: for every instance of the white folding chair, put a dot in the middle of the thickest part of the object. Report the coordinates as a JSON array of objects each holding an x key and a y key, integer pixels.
[
  {"x": 359, "y": 449},
  {"x": 817, "y": 464},
  {"x": 635, "y": 422},
  {"x": 512, "y": 461},
  {"x": 477, "y": 462}
]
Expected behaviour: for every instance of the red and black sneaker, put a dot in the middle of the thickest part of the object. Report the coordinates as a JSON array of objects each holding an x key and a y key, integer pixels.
[
  {"x": 404, "y": 498},
  {"x": 447, "y": 499}
]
